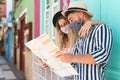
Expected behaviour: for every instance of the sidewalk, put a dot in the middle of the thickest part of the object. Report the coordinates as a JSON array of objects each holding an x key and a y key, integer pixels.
[{"x": 9, "y": 71}]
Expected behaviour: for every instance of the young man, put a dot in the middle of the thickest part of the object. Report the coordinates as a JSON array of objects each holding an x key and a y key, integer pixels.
[{"x": 90, "y": 54}]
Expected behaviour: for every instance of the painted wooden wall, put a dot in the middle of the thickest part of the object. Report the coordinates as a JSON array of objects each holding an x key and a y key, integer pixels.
[{"x": 110, "y": 13}]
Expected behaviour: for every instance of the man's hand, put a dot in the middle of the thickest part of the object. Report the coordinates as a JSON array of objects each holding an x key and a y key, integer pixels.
[{"x": 64, "y": 57}]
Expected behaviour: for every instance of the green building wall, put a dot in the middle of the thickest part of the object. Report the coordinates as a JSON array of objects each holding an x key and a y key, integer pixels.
[{"x": 25, "y": 4}]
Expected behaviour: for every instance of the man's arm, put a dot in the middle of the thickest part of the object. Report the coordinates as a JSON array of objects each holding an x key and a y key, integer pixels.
[
  {"x": 80, "y": 58},
  {"x": 85, "y": 59}
]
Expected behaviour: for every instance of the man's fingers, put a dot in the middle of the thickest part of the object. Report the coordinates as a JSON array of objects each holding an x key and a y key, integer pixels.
[
  {"x": 80, "y": 32},
  {"x": 58, "y": 53}
]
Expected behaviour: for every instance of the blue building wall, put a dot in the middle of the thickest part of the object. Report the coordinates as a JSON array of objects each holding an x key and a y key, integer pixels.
[
  {"x": 42, "y": 10},
  {"x": 8, "y": 53},
  {"x": 111, "y": 14}
]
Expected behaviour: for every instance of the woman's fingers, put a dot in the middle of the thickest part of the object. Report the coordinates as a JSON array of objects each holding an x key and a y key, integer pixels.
[
  {"x": 45, "y": 66},
  {"x": 84, "y": 31}
]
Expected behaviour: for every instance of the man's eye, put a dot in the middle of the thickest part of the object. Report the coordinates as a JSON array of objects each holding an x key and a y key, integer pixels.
[{"x": 71, "y": 20}]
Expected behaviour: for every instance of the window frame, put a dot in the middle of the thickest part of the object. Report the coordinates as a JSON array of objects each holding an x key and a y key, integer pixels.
[{"x": 54, "y": 4}]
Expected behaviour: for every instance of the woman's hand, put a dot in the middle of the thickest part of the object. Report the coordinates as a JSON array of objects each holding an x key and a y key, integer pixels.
[
  {"x": 84, "y": 31},
  {"x": 44, "y": 65},
  {"x": 64, "y": 57}
]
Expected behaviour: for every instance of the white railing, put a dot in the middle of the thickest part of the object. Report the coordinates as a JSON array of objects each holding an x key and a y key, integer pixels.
[{"x": 40, "y": 74}]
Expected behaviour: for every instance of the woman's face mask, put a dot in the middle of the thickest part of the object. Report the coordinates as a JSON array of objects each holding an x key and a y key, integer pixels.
[{"x": 65, "y": 29}]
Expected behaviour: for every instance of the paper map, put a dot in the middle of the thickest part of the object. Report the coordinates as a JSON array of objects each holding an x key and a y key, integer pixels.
[{"x": 45, "y": 48}]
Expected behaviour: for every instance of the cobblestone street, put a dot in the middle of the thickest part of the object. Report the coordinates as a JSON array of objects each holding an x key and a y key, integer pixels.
[{"x": 8, "y": 71}]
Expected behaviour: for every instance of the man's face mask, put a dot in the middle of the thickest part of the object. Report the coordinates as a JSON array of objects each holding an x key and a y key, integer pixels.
[
  {"x": 75, "y": 25},
  {"x": 65, "y": 29}
]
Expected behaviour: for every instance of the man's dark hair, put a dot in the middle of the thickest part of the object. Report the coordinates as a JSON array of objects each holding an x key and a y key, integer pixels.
[{"x": 68, "y": 12}]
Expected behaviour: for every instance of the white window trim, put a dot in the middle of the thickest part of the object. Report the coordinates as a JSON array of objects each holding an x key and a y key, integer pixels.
[
  {"x": 46, "y": 5},
  {"x": 45, "y": 19},
  {"x": 45, "y": 16},
  {"x": 54, "y": 4},
  {"x": 24, "y": 11}
]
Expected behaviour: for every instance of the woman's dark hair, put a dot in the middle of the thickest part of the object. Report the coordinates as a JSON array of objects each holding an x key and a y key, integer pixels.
[{"x": 61, "y": 17}]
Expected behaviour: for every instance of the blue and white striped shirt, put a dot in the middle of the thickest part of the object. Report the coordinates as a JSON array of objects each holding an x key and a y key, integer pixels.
[{"x": 98, "y": 43}]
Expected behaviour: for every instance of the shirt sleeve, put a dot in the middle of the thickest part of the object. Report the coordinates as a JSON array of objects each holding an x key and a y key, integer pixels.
[{"x": 103, "y": 42}]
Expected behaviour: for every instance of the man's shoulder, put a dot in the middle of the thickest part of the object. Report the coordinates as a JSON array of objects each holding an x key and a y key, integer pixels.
[{"x": 101, "y": 26}]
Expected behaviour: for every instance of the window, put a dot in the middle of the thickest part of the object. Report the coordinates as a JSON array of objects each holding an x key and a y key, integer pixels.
[
  {"x": 47, "y": 16},
  {"x": 55, "y": 1},
  {"x": 47, "y": 4},
  {"x": 47, "y": 21},
  {"x": 54, "y": 10}
]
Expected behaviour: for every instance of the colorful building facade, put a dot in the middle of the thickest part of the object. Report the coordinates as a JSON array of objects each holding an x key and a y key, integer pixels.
[
  {"x": 23, "y": 20},
  {"x": 39, "y": 14}
]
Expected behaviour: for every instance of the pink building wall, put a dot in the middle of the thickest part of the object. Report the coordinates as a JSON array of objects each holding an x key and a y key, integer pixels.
[
  {"x": 64, "y": 4},
  {"x": 36, "y": 18}
]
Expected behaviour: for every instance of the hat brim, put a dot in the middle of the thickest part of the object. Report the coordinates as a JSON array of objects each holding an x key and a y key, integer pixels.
[
  {"x": 89, "y": 13},
  {"x": 55, "y": 18}
]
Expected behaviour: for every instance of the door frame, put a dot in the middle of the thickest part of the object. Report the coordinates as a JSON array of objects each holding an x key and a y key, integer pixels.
[{"x": 22, "y": 60}]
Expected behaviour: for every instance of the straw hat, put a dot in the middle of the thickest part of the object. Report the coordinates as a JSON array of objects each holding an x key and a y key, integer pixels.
[{"x": 78, "y": 6}]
